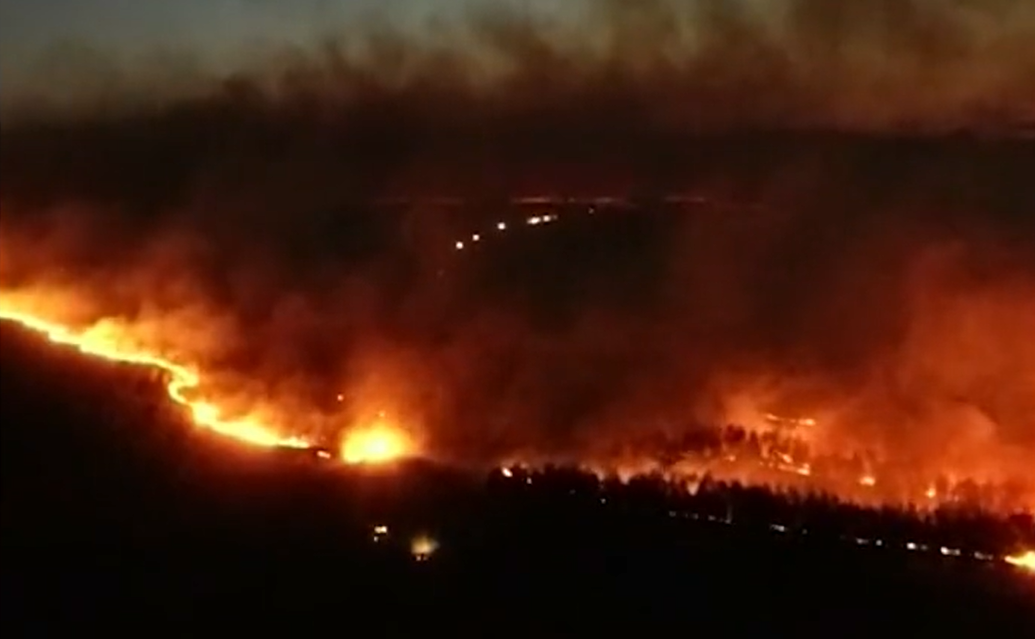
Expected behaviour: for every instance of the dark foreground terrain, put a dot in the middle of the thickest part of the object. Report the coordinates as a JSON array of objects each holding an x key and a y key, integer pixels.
[{"x": 115, "y": 516}]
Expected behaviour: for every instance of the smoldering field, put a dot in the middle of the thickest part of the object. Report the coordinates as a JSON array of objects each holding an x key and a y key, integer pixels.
[{"x": 874, "y": 268}]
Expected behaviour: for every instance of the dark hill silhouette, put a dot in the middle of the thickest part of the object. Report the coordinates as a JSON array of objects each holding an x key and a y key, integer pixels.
[{"x": 116, "y": 513}]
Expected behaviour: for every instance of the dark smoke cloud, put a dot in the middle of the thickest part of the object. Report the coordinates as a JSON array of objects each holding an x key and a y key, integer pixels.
[{"x": 876, "y": 268}]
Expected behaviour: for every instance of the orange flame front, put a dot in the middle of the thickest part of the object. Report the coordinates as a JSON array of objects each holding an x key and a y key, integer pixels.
[{"x": 182, "y": 381}]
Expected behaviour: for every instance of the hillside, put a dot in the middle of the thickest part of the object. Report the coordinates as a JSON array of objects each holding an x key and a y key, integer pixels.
[{"x": 116, "y": 512}]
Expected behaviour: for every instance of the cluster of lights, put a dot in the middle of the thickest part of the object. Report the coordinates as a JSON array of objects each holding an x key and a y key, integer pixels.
[
  {"x": 502, "y": 227},
  {"x": 1023, "y": 560},
  {"x": 422, "y": 546},
  {"x": 589, "y": 204}
]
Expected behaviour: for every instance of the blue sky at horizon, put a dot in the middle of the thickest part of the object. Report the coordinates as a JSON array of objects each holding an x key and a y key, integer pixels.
[
  {"x": 30, "y": 26},
  {"x": 34, "y": 33}
]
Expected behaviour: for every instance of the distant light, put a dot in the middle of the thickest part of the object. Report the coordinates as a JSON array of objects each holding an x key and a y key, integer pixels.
[
  {"x": 868, "y": 480},
  {"x": 501, "y": 226},
  {"x": 506, "y": 472},
  {"x": 459, "y": 246},
  {"x": 476, "y": 237},
  {"x": 423, "y": 547}
]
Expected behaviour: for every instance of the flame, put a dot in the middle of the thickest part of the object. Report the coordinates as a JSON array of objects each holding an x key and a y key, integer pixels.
[
  {"x": 1024, "y": 561},
  {"x": 378, "y": 443},
  {"x": 778, "y": 461},
  {"x": 182, "y": 380}
]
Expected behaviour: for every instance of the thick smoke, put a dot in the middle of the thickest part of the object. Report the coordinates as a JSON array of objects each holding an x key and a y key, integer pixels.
[{"x": 864, "y": 256}]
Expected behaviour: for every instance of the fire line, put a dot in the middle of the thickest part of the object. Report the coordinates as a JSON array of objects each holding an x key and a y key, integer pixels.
[
  {"x": 181, "y": 380},
  {"x": 365, "y": 446}
]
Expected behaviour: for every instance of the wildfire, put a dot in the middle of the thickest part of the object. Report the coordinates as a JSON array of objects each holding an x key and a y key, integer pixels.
[
  {"x": 379, "y": 439},
  {"x": 1024, "y": 561},
  {"x": 380, "y": 442},
  {"x": 182, "y": 380},
  {"x": 377, "y": 444}
]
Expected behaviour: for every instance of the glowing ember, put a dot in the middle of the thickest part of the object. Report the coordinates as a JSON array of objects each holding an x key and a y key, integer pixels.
[
  {"x": 182, "y": 380},
  {"x": 377, "y": 444},
  {"x": 1024, "y": 561}
]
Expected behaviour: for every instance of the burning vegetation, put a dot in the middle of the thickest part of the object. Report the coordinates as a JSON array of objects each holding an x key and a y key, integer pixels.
[
  {"x": 780, "y": 262},
  {"x": 962, "y": 535}
]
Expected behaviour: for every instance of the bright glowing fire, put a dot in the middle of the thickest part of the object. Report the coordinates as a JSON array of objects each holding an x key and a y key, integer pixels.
[
  {"x": 1024, "y": 561},
  {"x": 380, "y": 439},
  {"x": 376, "y": 444},
  {"x": 182, "y": 381},
  {"x": 379, "y": 442}
]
